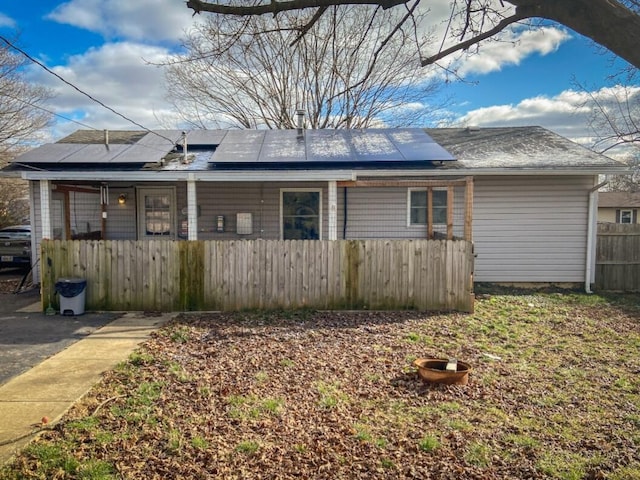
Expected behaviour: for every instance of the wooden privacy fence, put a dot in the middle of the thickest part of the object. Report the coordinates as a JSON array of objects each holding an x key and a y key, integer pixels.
[
  {"x": 160, "y": 275},
  {"x": 618, "y": 257}
]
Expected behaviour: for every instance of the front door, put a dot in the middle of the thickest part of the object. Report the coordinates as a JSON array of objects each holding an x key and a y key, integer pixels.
[{"x": 156, "y": 213}]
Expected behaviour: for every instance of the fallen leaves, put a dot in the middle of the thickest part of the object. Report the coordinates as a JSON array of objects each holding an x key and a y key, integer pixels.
[{"x": 335, "y": 395}]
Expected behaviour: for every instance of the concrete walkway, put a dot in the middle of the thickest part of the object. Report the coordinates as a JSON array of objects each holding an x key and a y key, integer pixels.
[{"x": 53, "y": 386}]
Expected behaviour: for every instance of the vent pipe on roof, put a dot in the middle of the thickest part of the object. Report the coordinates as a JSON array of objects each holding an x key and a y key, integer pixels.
[
  {"x": 106, "y": 137},
  {"x": 184, "y": 147},
  {"x": 300, "y": 122}
]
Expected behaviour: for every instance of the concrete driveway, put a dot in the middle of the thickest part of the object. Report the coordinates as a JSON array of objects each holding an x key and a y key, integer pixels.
[{"x": 27, "y": 336}]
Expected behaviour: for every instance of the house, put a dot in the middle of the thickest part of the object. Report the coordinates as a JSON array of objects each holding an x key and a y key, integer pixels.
[
  {"x": 618, "y": 207},
  {"x": 525, "y": 196}
]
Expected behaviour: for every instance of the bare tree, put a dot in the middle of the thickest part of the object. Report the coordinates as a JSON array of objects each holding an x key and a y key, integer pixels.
[
  {"x": 348, "y": 71},
  {"x": 615, "y": 122},
  {"x": 614, "y": 24},
  {"x": 21, "y": 120}
]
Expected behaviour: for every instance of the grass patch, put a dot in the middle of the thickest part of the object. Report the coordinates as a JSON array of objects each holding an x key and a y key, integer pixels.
[
  {"x": 478, "y": 454},
  {"x": 331, "y": 395},
  {"x": 248, "y": 447},
  {"x": 429, "y": 443}
]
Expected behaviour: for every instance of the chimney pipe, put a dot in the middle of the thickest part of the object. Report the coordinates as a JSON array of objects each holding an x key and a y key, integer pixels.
[
  {"x": 185, "y": 158},
  {"x": 300, "y": 122},
  {"x": 106, "y": 137}
]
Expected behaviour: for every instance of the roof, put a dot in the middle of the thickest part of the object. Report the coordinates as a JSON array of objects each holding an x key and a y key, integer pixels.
[
  {"x": 219, "y": 154},
  {"x": 516, "y": 147},
  {"x": 618, "y": 199},
  {"x": 243, "y": 148}
]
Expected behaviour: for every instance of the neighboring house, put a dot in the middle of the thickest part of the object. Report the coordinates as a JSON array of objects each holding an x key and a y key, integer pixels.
[
  {"x": 524, "y": 195},
  {"x": 618, "y": 207}
]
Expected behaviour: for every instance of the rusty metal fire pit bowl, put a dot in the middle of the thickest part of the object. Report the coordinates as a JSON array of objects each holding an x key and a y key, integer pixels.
[{"x": 434, "y": 370}]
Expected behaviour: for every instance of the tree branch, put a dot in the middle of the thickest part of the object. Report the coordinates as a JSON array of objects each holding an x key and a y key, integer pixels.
[
  {"x": 274, "y": 7},
  {"x": 305, "y": 28},
  {"x": 472, "y": 41}
]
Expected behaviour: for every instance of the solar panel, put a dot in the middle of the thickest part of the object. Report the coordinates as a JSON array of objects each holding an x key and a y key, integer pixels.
[
  {"x": 50, "y": 153},
  {"x": 198, "y": 138},
  {"x": 355, "y": 147},
  {"x": 282, "y": 146},
  {"x": 240, "y": 146},
  {"x": 96, "y": 154},
  {"x": 415, "y": 145}
]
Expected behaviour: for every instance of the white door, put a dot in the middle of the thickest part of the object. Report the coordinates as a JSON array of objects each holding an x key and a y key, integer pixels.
[{"x": 156, "y": 213}]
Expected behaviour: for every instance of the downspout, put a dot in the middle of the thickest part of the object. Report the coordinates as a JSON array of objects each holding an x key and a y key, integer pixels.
[{"x": 591, "y": 227}]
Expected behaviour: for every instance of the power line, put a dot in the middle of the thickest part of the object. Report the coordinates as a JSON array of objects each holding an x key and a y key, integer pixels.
[
  {"x": 54, "y": 113},
  {"x": 82, "y": 124},
  {"x": 48, "y": 70}
]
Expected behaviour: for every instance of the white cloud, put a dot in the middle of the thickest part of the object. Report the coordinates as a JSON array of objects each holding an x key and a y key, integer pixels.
[
  {"x": 139, "y": 20},
  {"x": 118, "y": 75},
  {"x": 6, "y": 21},
  {"x": 568, "y": 113},
  {"x": 511, "y": 49}
]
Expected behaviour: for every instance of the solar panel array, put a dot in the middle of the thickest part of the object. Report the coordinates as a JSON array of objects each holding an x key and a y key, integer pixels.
[
  {"x": 329, "y": 146},
  {"x": 259, "y": 148}
]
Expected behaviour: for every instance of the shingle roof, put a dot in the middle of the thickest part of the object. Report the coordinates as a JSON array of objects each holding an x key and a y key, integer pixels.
[
  {"x": 516, "y": 147},
  {"x": 490, "y": 149},
  {"x": 618, "y": 199}
]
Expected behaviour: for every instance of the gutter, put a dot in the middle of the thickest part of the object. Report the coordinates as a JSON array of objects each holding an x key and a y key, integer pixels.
[
  {"x": 184, "y": 175},
  {"x": 591, "y": 227}
]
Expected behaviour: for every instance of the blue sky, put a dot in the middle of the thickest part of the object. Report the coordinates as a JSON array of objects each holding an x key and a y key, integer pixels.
[{"x": 103, "y": 46}]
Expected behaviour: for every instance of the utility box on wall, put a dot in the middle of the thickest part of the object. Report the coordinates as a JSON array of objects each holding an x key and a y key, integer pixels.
[{"x": 244, "y": 224}]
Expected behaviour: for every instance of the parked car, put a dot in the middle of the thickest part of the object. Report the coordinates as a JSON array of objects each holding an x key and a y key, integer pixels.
[{"x": 15, "y": 246}]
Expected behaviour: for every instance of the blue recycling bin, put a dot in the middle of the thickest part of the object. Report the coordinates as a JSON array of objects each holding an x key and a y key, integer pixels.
[{"x": 72, "y": 292}]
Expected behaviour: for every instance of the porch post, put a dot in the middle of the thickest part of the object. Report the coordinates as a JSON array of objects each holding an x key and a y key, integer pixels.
[
  {"x": 192, "y": 209},
  {"x": 45, "y": 208},
  {"x": 468, "y": 209},
  {"x": 333, "y": 211}
]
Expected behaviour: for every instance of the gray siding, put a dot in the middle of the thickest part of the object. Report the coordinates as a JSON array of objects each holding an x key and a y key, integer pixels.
[
  {"x": 381, "y": 213},
  {"x": 261, "y": 200},
  {"x": 530, "y": 229},
  {"x": 525, "y": 229}
]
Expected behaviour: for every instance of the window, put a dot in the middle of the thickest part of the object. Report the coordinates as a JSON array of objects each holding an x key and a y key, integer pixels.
[
  {"x": 626, "y": 216},
  {"x": 156, "y": 213},
  {"x": 301, "y": 214},
  {"x": 418, "y": 207}
]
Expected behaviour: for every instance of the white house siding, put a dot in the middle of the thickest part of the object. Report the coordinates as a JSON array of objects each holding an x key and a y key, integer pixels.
[{"x": 530, "y": 229}]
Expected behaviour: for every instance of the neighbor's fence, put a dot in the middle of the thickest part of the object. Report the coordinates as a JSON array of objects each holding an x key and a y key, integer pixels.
[
  {"x": 162, "y": 275},
  {"x": 618, "y": 257}
]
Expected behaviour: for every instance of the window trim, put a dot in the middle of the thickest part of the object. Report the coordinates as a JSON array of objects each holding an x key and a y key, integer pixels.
[
  {"x": 301, "y": 189},
  {"x": 630, "y": 212},
  {"x": 423, "y": 189},
  {"x": 140, "y": 217}
]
